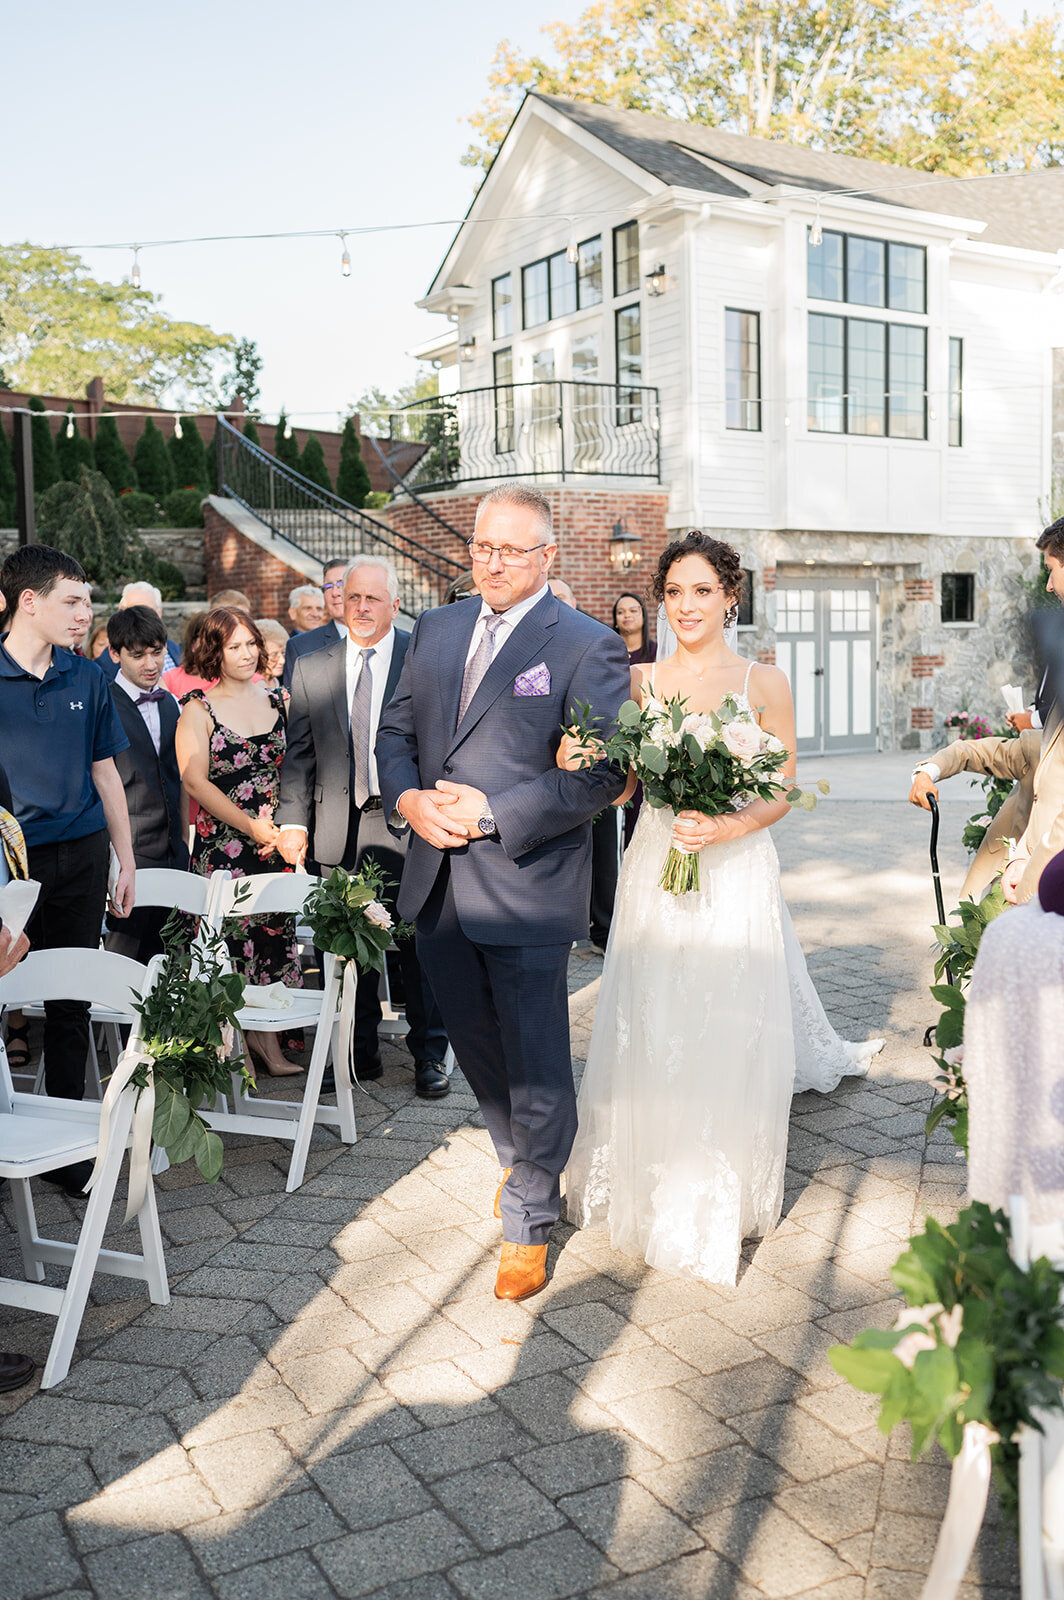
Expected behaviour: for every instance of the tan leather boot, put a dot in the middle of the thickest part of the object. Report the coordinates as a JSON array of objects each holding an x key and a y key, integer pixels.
[
  {"x": 506, "y": 1171},
  {"x": 522, "y": 1271}
]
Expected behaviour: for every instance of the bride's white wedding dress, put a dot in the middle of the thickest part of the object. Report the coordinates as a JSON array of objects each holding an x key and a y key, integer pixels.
[{"x": 707, "y": 1023}]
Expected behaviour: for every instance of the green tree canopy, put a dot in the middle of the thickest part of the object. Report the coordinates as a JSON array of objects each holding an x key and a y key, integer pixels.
[
  {"x": 312, "y": 463},
  {"x": 352, "y": 480},
  {"x": 155, "y": 475},
  {"x": 940, "y": 85},
  {"x": 73, "y": 451},
  {"x": 374, "y": 406},
  {"x": 112, "y": 457},
  {"x": 83, "y": 519},
  {"x": 243, "y": 377},
  {"x": 59, "y": 328},
  {"x": 188, "y": 457},
  {"x": 45, "y": 464},
  {"x": 285, "y": 447}
]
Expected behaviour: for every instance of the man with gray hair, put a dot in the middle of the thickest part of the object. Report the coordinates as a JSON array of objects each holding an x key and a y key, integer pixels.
[
  {"x": 498, "y": 875},
  {"x": 333, "y": 574},
  {"x": 140, "y": 593},
  {"x": 306, "y": 607}
]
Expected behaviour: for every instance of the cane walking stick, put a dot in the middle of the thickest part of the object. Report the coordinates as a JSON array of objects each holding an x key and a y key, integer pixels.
[{"x": 936, "y": 879}]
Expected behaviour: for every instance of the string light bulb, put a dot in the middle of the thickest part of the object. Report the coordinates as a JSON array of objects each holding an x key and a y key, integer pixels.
[
  {"x": 70, "y": 425},
  {"x": 816, "y": 232},
  {"x": 287, "y": 427},
  {"x": 345, "y": 259},
  {"x": 572, "y": 254},
  {"x": 177, "y": 428},
  {"x": 136, "y": 266}
]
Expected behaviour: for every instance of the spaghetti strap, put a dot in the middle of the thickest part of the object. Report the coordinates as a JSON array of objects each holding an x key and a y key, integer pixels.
[{"x": 746, "y": 680}]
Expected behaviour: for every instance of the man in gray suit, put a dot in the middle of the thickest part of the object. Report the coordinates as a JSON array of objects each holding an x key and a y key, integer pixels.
[
  {"x": 498, "y": 874},
  {"x": 330, "y": 795}
]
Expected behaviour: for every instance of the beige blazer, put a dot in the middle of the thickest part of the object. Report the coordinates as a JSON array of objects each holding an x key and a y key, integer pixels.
[
  {"x": 1043, "y": 837},
  {"x": 998, "y": 758}
]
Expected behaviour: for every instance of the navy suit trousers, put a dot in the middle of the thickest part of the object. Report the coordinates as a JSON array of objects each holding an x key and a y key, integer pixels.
[{"x": 506, "y": 1010}]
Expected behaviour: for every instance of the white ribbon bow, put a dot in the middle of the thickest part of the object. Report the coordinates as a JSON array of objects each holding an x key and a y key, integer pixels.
[
  {"x": 968, "y": 1485},
  {"x": 348, "y": 990},
  {"x": 143, "y": 1117}
]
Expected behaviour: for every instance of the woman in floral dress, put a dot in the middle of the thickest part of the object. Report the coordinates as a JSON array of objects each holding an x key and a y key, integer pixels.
[{"x": 230, "y": 745}]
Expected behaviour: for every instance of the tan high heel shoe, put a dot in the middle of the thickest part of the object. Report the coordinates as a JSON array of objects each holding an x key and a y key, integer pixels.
[{"x": 289, "y": 1070}]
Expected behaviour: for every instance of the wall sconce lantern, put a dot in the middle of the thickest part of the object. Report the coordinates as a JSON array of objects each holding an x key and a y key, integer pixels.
[
  {"x": 656, "y": 282},
  {"x": 467, "y": 349},
  {"x": 624, "y": 547}
]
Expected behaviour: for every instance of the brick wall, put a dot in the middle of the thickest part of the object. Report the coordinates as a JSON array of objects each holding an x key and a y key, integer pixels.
[
  {"x": 923, "y": 717},
  {"x": 583, "y": 522},
  {"x": 234, "y": 562},
  {"x": 919, "y": 588},
  {"x": 924, "y": 666}
]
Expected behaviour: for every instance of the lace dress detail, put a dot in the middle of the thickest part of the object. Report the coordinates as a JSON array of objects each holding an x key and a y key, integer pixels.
[{"x": 704, "y": 1008}]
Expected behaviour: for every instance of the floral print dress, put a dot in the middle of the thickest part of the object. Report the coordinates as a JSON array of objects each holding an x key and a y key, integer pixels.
[{"x": 247, "y": 769}]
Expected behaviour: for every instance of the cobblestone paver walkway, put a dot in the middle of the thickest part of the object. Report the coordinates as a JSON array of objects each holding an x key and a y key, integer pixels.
[{"x": 335, "y": 1405}]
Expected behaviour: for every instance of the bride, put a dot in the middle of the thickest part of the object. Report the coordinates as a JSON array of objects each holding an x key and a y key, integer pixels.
[{"x": 707, "y": 1021}]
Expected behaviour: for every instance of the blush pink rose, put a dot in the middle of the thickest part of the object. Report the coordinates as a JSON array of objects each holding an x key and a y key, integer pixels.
[{"x": 743, "y": 740}]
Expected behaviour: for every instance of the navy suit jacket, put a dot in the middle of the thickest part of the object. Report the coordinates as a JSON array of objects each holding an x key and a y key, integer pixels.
[
  {"x": 316, "y": 775},
  {"x": 301, "y": 644},
  {"x": 532, "y": 884}
]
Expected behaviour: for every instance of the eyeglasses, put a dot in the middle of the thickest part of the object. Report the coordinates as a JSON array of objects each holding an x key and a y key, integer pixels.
[
  {"x": 338, "y": 583},
  {"x": 511, "y": 555}
]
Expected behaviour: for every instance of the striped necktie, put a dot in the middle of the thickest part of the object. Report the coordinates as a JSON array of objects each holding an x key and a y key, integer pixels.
[
  {"x": 361, "y": 719},
  {"x": 478, "y": 664}
]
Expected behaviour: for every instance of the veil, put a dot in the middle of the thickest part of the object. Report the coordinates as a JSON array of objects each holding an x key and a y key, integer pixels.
[{"x": 667, "y": 640}]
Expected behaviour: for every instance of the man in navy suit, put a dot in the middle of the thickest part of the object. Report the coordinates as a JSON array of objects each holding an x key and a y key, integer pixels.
[
  {"x": 148, "y": 768},
  {"x": 334, "y": 626},
  {"x": 498, "y": 875},
  {"x": 330, "y": 795}
]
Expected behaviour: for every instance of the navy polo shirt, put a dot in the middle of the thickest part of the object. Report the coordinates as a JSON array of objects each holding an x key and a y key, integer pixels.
[{"x": 52, "y": 729}]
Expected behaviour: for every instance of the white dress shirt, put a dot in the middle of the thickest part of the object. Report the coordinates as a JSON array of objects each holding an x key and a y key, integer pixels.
[
  {"x": 341, "y": 627},
  {"x": 380, "y": 666},
  {"x": 149, "y": 710},
  {"x": 510, "y": 619}
]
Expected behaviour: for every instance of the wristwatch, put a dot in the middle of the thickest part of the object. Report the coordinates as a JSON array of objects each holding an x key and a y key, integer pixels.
[{"x": 486, "y": 822}]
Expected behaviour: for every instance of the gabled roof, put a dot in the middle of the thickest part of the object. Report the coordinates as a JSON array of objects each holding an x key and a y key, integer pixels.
[{"x": 1025, "y": 210}]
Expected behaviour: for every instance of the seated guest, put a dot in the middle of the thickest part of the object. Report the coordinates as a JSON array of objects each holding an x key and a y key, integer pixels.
[
  {"x": 230, "y": 745},
  {"x": 996, "y": 758},
  {"x": 96, "y": 643},
  {"x": 306, "y": 608},
  {"x": 181, "y": 680},
  {"x": 143, "y": 594},
  {"x": 276, "y": 642},
  {"x": 148, "y": 769}
]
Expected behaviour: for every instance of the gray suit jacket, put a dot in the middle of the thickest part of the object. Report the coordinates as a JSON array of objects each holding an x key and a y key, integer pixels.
[
  {"x": 316, "y": 777},
  {"x": 301, "y": 644},
  {"x": 532, "y": 884}
]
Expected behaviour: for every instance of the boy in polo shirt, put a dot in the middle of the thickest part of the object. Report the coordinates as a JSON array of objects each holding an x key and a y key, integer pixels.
[{"x": 59, "y": 734}]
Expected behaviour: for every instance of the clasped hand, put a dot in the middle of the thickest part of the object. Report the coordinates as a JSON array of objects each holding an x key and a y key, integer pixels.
[
  {"x": 693, "y": 830},
  {"x": 445, "y": 816}
]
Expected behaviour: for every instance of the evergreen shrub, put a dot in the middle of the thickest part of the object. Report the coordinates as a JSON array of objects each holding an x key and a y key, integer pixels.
[
  {"x": 112, "y": 457},
  {"x": 183, "y": 508},
  {"x": 152, "y": 462}
]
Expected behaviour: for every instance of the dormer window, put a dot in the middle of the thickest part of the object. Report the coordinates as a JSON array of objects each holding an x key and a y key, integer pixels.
[{"x": 867, "y": 272}]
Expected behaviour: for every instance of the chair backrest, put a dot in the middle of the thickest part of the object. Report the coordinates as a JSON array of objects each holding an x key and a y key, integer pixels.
[
  {"x": 98, "y": 977},
  {"x": 283, "y": 892},
  {"x": 180, "y": 891}
]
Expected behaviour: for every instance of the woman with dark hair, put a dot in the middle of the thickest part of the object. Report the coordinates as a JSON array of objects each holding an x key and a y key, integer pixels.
[
  {"x": 230, "y": 745},
  {"x": 706, "y": 1021},
  {"x": 630, "y": 621}
]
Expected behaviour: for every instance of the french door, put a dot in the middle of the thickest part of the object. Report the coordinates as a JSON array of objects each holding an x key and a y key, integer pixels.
[{"x": 826, "y": 645}]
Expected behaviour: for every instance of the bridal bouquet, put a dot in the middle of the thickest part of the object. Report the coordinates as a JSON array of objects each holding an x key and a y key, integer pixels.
[{"x": 713, "y": 762}]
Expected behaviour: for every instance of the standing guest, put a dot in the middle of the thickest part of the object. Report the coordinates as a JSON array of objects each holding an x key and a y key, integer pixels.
[
  {"x": 230, "y": 745},
  {"x": 276, "y": 642},
  {"x": 230, "y": 597},
  {"x": 306, "y": 608},
  {"x": 148, "y": 769},
  {"x": 330, "y": 790},
  {"x": 96, "y": 643},
  {"x": 564, "y": 592},
  {"x": 630, "y": 621},
  {"x": 81, "y": 634},
  {"x": 56, "y": 711},
  {"x": 143, "y": 594},
  {"x": 13, "y": 864},
  {"x": 181, "y": 680},
  {"x": 498, "y": 875},
  {"x": 334, "y": 626}
]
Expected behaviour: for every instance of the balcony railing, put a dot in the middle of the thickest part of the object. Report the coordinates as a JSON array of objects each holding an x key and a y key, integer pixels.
[
  {"x": 552, "y": 429},
  {"x": 323, "y": 525}
]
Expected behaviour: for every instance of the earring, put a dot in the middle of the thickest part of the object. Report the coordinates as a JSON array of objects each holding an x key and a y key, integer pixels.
[{"x": 731, "y": 616}]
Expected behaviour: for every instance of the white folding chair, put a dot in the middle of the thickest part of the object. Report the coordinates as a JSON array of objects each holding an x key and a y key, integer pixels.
[
  {"x": 285, "y": 893},
  {"x": 39, "y": 1133},
  {"x": 1041, "y": 1454}
]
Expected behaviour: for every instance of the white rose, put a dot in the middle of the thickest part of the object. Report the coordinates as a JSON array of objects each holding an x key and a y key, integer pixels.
[
  {"x": 954, "y": 1057},
  {"x": 378, "y": 915},
  {"x": 698, "y": 724},
  {"x": 920, "y": 1319},
  {"x": 743, "y": 740},
  {"x": 774, "y": 744}
]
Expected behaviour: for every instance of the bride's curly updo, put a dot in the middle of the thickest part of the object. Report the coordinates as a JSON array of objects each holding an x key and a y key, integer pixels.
[{"x": 721, "y": 557}]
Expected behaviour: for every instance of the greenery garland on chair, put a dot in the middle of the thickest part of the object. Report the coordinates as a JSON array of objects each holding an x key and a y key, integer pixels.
[
  {"x": 959, "y": 946},
  {"x": 348, "y": 920}
]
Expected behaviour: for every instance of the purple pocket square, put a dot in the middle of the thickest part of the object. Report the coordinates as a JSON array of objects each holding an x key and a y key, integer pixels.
[{"x": 535, "y": 681}]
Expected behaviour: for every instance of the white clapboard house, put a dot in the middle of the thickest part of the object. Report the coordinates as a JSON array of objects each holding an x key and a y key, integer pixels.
[{"x": 844, "y": 367}]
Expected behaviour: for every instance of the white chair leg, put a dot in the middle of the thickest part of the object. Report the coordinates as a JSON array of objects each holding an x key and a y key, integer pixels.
[
  {"x": 160, "y": 1161},
  {"x": 93, "y": 1086},
  {"x": 90, "y": 1240},
  {"x": 345, "y": 1094},
  {"x": 1032, "y": 1572},
  {"x": 26, "y": 1223},
  {"x": 151, "y": 1248},
  {"x": 305, "y": 1123}
]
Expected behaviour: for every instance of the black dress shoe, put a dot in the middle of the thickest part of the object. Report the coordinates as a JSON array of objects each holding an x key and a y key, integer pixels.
[
  {"x": 72, "y": 1179},
  {"x": 430, "y": 1080},
  {"x": 15, "y": 1370},
  {"x": 369, "y": 1069}
]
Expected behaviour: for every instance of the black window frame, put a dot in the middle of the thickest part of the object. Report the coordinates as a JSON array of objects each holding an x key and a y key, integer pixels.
[
  {"x": 956, "y": 394},
  {"x": 632, "y": 287},
  {"x": 886, "y": 304},
  {"x": 745, "y": 405},
  {"x": 889, "y": 412},
  {"x": 629, "y": 395},
  {"x": 582, "y": 277},
  {"x": 544, "y": 262},
  {"x": 503, "y": 396},
  {"x": 957, "y": 593},
  {"x": 745, "y": 615},
  {"x": 557, "y": 265},
  {"x": 498, "y": 332}
]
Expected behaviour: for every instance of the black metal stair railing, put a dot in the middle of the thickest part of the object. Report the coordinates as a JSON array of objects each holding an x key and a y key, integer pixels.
[
  {"x": 322, "y": 525},
  {"x": 551, "y": 429}
]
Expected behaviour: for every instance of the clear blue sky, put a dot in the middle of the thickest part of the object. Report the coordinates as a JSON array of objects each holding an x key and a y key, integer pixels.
[{"x": 223, "y": 116}]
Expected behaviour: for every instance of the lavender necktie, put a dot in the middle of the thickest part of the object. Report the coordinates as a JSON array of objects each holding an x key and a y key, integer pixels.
[
  {"x": 478, "y": 664},
  {"x": 361, "y": 708}
]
